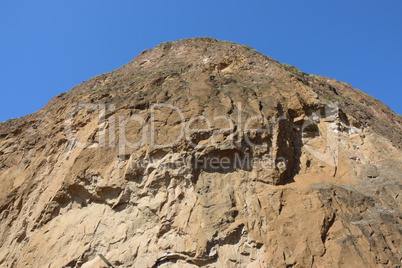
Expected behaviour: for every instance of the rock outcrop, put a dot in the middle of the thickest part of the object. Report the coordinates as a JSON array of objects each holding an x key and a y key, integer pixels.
[{"x": 203, "y": 153}]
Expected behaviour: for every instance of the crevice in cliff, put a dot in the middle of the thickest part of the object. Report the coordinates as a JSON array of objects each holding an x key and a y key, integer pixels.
[
  {"x": 175, "y": 257},
  {"x": 326, "y": 225}
]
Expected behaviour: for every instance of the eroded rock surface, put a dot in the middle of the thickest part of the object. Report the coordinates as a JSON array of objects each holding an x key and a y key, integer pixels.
[{"x": 203, "y": 153}]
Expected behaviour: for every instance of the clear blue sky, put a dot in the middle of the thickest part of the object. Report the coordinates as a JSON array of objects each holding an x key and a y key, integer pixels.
[{"x": 47, "y": 47}]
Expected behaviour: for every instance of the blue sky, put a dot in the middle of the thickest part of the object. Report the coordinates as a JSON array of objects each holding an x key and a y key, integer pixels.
[{"x": 47, "y": 47}]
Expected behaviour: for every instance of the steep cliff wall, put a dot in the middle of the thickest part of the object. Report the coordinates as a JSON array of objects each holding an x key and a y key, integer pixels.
[{"x": 203, "y": 153}]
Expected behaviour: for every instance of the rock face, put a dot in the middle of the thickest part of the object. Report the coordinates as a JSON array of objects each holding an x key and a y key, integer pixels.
[{"x": 203, "y": 153}]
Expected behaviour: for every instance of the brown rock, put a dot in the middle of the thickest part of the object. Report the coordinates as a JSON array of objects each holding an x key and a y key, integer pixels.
[{"x": 203, "y": 153}]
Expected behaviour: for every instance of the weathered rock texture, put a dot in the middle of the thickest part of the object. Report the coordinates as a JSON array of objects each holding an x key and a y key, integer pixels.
[{"x": 85, "y": 174}]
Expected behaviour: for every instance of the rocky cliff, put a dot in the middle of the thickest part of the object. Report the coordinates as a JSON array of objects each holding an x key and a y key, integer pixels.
[{"x": 203, "y": 153}]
